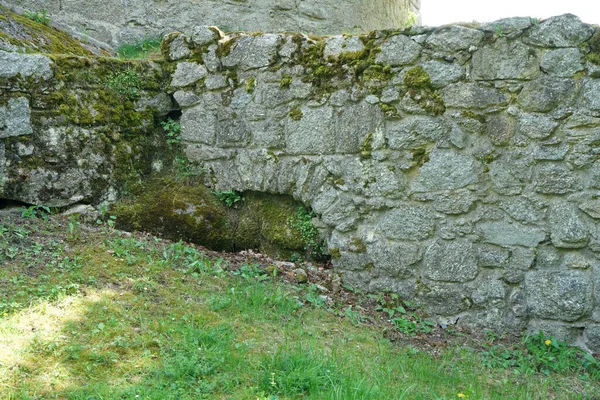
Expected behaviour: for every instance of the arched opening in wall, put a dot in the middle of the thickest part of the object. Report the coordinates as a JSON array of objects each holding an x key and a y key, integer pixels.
[
  {"x": 180, "y": 209},
  {"x": 8, "y": 204}
]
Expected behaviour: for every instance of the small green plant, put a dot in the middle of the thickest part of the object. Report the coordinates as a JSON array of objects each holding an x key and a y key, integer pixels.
[
  {"x": 250, "y": 85},
  {"x": 499, "y": 32},
  {"x": 231, "y": 198},
  {"x": 172, "y": 131},
  {"x": 125, "y": 83},
  {"x": 302, "y": 223},
  {"x": 139, "y": 49},
  {"x": 286, "y": 82},
  {"x": 541, "y": 353},
  {"x": 40, "y": 16},
  {"x": 296, "y": 113},
  {"x": 73, "y": 229},
  {"x": 39, "y": 211}
]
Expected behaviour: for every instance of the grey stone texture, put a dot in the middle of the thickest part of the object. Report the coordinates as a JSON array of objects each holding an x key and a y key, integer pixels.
[
  {"x": 35, "y": 66},
  {"x": 117, "y": 22},
  {"x": 474, "y": 193}
]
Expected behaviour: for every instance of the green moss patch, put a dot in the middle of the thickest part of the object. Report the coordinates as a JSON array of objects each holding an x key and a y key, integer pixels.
[
  {"x": 36, "y": 37},
  {"x": 183, "y": 209},
  {"x": 418, "y": 85}
]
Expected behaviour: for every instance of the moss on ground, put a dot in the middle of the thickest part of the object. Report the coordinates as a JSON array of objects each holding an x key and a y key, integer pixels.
[{"x": 35, "y": 37}]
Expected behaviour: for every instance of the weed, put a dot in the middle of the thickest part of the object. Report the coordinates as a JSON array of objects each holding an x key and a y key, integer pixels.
[
  {"x": 541, "y": 353},
  {"x": 41, "y": 16},
  {"x": 302, "y": 223},
  {"x": 142, "y": 48},
  {"x": 73, "y": 229},
  {"x": 172, "y": 131},
  {"x": 39, "y": 211},
  {"x": 231, "y": 198},
  {"x": 125, "y": 83}
]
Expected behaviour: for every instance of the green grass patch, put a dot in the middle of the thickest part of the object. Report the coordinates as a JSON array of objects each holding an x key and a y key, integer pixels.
[
  {"x": 147, "y": 48},
  {"x": 94, "y": 313}
]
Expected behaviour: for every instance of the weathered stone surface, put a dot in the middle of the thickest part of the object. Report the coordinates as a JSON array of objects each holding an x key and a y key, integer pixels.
[
  {"x": 447, "y": 169},
  {"x": 509, "y": 174},
  {"x": 510, "y": 234},
  {"x": 407, "y": 222},
  {"x": 396, "y": 259},
  {"x": 450, "y": 261},
  {"x": 567, "y": 230},
  {"x": 203, "y": 35},
  {"x": 491, "y": 256},
  {"x": 249, "y": 52},
  {"x": 199, "y": 125},
  {"x": 443, "y": 73},
  {"x": 591, "y": 208},
  {"x": 336, "y": 45},
  {"x": 26, "y": 65},
  {"x": 453, "y": 38},
  {"x": 454, "y": 201},
  {"x": 398, "y": 50},
  {"x": 505, "y": 60},
  {"x": 592, "y": 338},
  {"x": 490, "y": 292},
  {"x": 547, "y": 93},
  {"x": 554, "y": 178},
  {"x": 553, "y": 152},
  {"x": 312, "y": 134},
  {"x": 508, "y": 27},
  {"x": 562, "y": 62},
  {"x": 562, "y": 31},
  {"x": 15, "y": 119},
  {"x": 536, "y": 126},
  {"x": 591, "y": 94},
  {"x": 473, "y": 96},
  {"x": 188, "y": 73},
  {"x": 416, "y": 131},
  {"x": 354, "y": 123},
  {"x": 563, "y": 295},
  {"x": 178, "y": 48},
  {"x": 443, "y": 298},
  {"x": 522, "y": 210},
  {"x": 501, "y": 128}
]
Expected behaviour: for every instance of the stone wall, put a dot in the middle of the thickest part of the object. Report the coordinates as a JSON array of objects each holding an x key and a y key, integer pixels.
[
  {"x": 120, "y": 21},
  {"x": 77, "y": 129},
  {"x": 455, "y": 166}
]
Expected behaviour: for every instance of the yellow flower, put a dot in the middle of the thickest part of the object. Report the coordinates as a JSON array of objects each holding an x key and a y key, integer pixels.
[
  {"x": 548, "y": 342},
  {"x": 461, "y": 395}
]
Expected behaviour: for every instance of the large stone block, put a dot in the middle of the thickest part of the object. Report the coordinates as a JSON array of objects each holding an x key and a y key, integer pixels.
[
  {"x": 15, "y": 119},
  {"x": 407, "y": 222},
  {"x": 311, "y": 132},
  {"x": 510, "y": 234},
  {"x": 565, "y": 296},
  {"x": 187, "y": 73},
  {"x": 447, "y": 169},
  {"x": 552, "y": 178},
  {"x": 417, "y": 131},
  {"x": 398, "y": 50},
  {"x": 450, "y": 261},
  {"x": 547, "y": 93},
  {"x": 396, "y": 259},
  {"x": 505, "y": 60},
  {"x": 454, "y": 38},
  {"x": 562, "y": 62},
  {"x": 472, "y": 96},
  {"x": 561, "y": 31},
  {"x": 567, "y": 229},
  {"x": 26, "y": 65},
  {"x": 250, "y": 52}
]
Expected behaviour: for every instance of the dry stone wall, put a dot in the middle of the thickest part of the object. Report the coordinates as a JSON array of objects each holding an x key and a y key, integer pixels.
[
  {"x": 120, "y": 21},
  {"x": 457, "y": 166},
  {"x": 76, "y": 129}
]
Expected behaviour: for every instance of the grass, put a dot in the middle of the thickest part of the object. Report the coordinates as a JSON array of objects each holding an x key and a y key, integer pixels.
[
  {"x": 147, "y": 48},
  {"x": 93, "y": 313}
]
